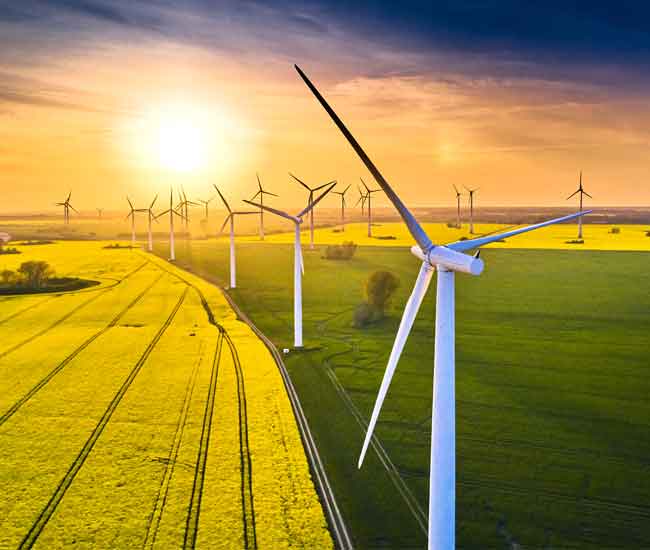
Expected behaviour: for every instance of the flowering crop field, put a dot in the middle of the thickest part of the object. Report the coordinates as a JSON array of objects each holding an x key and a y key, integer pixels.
[{"x": 140, "y": 413}]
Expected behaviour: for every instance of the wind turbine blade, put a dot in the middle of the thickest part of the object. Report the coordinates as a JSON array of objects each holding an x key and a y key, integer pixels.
[
  {"x": 224, "y": 199},
  {"x": 346, "y": 189},
  {"x": 226, "y": 222},
  {"x": 324, "y": 185},
  {"x": 364, "y": 184},
  {"x": 301, "y": 182},
  {"x": 456, "y": 189},
  {"x": 302, "y": 262},
  {"x": 357, "y": 203},
  {"x": 153, "y": 202},
  {"x": 273, "y": 210},
  {"x": 414, "y": 227},
  {"x": 69, "y": 195},
  {"x": 270, "y": 194},
  {"x": 256, "y": 195},
  {"x": 130, "y": 203},
  {"x": 315, "y": 201},
  {"x": 585, "y": 193},
  {"x": 259, "y": 183},
  {"x": 73, "y": 208},
  {"x": 462, "y": 246},
  {"x": 573, "y": 194},
  {"x": 161, "y": 214},
  {"x": 410, "y": 312}
]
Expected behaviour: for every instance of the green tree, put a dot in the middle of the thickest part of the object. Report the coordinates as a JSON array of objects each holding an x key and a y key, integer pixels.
[
  {"x": 7, "y": 276},
  {"x": 35, "y": 273},
  {"x": 380, "y": 288}
]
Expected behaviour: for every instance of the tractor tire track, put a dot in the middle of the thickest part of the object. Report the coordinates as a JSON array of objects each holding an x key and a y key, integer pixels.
[
  {"x": 45, "y": 515},
  {"x": 163, "y": 490},
  {"x": 46, "y": 379},
  {"x": 67, "y": 315},
  {"x": 248, "y": 509},
  {"x": 192, "y": 522},
  {"x": 25, "y": 310}
]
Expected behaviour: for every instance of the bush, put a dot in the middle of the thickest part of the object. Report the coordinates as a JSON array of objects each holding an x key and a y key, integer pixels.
[
  {"x": 35, "y": 273},
  {"x": 647, "y": 233},
  {"x": 615, "y": 230},
  {"x": 575, "y": 241},
  {"x": 380, "y": 287},
  {"x": 8, "y": 277},
  {"x": 343, "y": 251},
  {"x": 9, "y": 250},
  {"x": 363, "y": 315}
]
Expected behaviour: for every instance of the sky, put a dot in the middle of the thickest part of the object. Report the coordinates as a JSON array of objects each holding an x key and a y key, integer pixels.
[{"x": 127, "y": 97}]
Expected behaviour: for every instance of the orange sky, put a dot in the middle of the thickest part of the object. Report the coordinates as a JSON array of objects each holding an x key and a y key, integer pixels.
[{"x": 75, "y": 123}]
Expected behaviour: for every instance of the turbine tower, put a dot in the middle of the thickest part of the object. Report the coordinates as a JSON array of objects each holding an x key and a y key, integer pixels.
[
  {"x": 298, "y": 265},
  {"x": 458, "y": 196},
  {"x": 311, "y": 190},
  {"x": 150, "y": 218},
  {"x": 184, "y": 205},
  {"x": 260, "y": 193},
  {"x": 582, "y": 192},
  {"x": 471, "y": 208},
  {"x": 131, "y": 215},
  {"x": 66, "y": 209},
  {"x": 369, "y": 193},
  {"x": 231, "y": 218},
  {"x": 205, "y": 204},
  {"x": 172, "y": 212},
  {"x": 362, "y": 200},
  {"x": 343, "y": 205},
  {"x": 100, "y": 211},
  {"x": 446, "y": 260}
]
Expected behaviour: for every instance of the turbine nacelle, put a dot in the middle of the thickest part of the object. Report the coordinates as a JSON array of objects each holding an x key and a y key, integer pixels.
[{"x": 449, "y": 260}]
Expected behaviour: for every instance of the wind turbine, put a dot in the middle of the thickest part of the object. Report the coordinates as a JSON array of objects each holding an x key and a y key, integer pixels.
[
  {"x": 309, "y": 201},
  {"x": 471, "y": 208},
  {"x": 231, "y": 218},
  {"x": 172, "y": 212},
  {"x": 260, "y": 193},
  {"x": 582, "y": 192},
  {"x": 446, "y": 260},
  {"x": 66, "y": 209},
  {"x": 150, "y": 218},
  {"x": 184, "y": 205},
  {"x": 298, "y": 265},
  {"x": 362, "y": 200},
  {"x": 131, "y": 215},
  {"x": 343, "y": 204},
  {"x": 100, "y": 211},
  {"x": 369, "y": 193},
  {"x": 458, "y": 196},
  {"x": 205, "y": 204}
]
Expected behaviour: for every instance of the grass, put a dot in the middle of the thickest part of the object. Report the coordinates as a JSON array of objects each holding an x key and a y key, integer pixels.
[
  {"x": 552, "y": 386},
  {"x": 122, "y": 420}
]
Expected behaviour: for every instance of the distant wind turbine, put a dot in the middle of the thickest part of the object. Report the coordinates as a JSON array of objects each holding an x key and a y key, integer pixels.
[
  {"x": 446, "y": 260},
  {"x": 369, "y": 193},
  {"x": 298, "y": 265},
  {"x": 205, "y": 204},
  {"x": 184, "y": 205},
  {"x": 343, "y": 205},
  {"x": 582, "y": 192},
  {"x": 471, "y": 208},
  {"x": 172, "y": 212},
  {"x": 66, "y": 209},
  {"x": 362, "y": 200},
  {"x": 231, "y": 218},
  {"x": 100, "y": 211},
  {"x": 458, "y": 196},
  {"x": 260, "y": 193},
  {"x": 131, "y": 215},
  {"x": 150, "y": 218},
  {"x": 311, "y": 190}
]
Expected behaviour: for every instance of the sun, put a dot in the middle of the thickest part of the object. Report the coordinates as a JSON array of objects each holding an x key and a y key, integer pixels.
[{"x": 181, "y": 143}]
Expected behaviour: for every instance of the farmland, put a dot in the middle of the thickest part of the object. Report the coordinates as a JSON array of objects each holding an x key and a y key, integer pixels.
[
  {"x": 141, "y": 413},
  {"x": 552, "y": 430}
]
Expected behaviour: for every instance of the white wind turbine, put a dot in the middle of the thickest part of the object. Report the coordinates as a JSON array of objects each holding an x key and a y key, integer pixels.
[
  {"x": 446, "y": 260},
  {"x": 458, "y": 196},
  {"x": 131, "y": 215},
  {"x": 369, "y": 193},
  {"x": 582, "y": 193},
  {"x": 260, "y": 193},
  {"x": 471, "y": 208},
  {"x": 298, "y": 265},
  {"x": 231, "y": 218},
  {"x": 172, "y": 213},
  {"x": 311, "y": 190},
  {"x": 343, "y": 205},
  {"x": 150, "y": 218}
]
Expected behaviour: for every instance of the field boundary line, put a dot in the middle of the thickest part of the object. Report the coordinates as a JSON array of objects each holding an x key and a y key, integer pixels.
[
  {"x": 45, "y": 515},
  {"x": 337, "y": 525},
  {"x": 25, "y": 310},
  {"x": 194, "y": 509},
  {"x": 163, "y": 489},
  {"x": 46, "y": 379},
  {"x": 67, "y": 315}
]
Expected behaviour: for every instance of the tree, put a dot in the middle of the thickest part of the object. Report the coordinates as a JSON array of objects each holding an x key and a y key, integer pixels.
[
  {"x": 7, "y": 276},
  {"x": 380, "y": 288},
  {"x": 35, "y": 273}
]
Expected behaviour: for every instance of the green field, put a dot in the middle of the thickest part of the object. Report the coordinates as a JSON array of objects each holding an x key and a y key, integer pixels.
[
  {"x": 552, "y": 391},
  {"x": 141, "y": 413}
]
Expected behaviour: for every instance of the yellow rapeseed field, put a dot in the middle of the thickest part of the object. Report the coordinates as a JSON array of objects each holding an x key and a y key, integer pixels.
[
  {"x": 141, "y": 413},
  {"x": 596, "y": 237}
]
